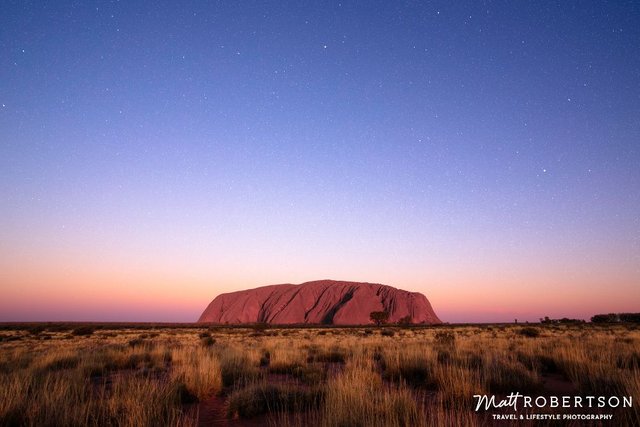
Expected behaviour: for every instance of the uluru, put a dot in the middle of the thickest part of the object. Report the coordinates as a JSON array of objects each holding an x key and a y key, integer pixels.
[{"x": 327, "y": 302}]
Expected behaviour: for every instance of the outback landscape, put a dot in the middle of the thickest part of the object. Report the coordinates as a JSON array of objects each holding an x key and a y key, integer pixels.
[
  {"x": 194, "y": 374},
  {"x": 175, "y": 177}
]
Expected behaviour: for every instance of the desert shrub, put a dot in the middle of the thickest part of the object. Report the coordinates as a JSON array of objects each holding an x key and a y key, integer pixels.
[
  {"x": 505, "y": 376},
  {"x": 207, "y": 341},
  {"x": 237, "y": 369},
  {"x": 198, "y": 370},
  {"x": 445, "y": 338},
  {"x": 265, "y": 358},
  {"x": 183, "y": 394},
  {"x": 83, "y": 331},
  {"x": 36, "y": 329},
  {"x": 630, "y": 317},
  {"x": 605, "y": 318},
  {"x": 204, "y": 334},
  {"x": 412, "y": 370},
  {"x": 284, "y": 368},
  {"x": 529, "y": 332},
  {"x": 333, "y": 355},
  {"x": 260, "y": 399},
  {"x": 308, "y": 374},
  {"x": 358, "y": 398},
  {"x": 387, "y": 332}
]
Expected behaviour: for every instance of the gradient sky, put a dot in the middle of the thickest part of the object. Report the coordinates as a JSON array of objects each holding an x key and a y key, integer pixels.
[{"x": 156, "y": 154}]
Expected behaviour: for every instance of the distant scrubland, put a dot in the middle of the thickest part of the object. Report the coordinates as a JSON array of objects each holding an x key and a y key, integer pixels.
[{"x": 185, "y": 375}]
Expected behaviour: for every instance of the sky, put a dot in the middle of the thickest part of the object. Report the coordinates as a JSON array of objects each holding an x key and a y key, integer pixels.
[{"x": 156, "y": 154}]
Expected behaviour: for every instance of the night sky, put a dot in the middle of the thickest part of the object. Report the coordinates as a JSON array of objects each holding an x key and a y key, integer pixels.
[{"x": 156, "y": 154}]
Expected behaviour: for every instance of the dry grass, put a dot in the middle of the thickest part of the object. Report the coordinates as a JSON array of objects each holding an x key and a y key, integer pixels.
[{"x": 326, "y": 377}]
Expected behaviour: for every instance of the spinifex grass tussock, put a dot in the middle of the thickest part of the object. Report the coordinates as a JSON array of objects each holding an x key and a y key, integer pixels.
[
  {"x": 198, "y": 369},
  {"x": 262, "y": 398},
  {"x": 237, "y": 368},
  {"x": 359, "y": 397}
]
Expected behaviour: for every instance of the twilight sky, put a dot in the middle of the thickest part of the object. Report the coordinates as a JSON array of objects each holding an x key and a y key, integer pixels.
[{"x": 156, "y": 154}]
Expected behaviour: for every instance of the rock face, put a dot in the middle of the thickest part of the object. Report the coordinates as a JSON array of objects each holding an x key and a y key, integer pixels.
[{"x": 321, "y": 302}]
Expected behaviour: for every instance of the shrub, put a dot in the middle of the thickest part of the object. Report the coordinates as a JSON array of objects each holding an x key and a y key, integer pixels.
[
  {"x": 207, "y": 341},
  {"x": 379, "y": 317},
  {"x": 261, "y": 399},
  {"x": 36, "y": 329},
  {"x": 184, "y": 395},
  {"x": 529, "y": 332},
  {"x": 445, "y": 338},
  {"x": 630, "y": 317},
  {"x": 605, "y": 318},
  {"x": 334, "y": 355},
  {"x": 265, "y": 359},
  {"x": 505, "y": 376},
  {"x": 237, "y": 369},
  {"x": 83, "y": 331},
  {"x": 416, "y": 372},
  {"x": 387, "y": 332}
]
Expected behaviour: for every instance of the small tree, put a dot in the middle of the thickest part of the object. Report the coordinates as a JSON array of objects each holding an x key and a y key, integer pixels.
[
  {"x": 405, "y": 321},
  {"x": 379, "y": 317}
]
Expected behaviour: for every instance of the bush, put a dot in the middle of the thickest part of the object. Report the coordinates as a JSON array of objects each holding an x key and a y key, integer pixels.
[
  {"x": 258, "y": 400},
  {"x": 415, "y": 373},
  {"x": 265, "y": 359},
  {"x": 335, "y": 355},
  {"x": 387, "y": 333},
  {"x": 445, "y": 338},
  {"x": 183, "y": 394},
  {"x": 529, "y": 332},
  {"x": 36, "y": 329},
  {"x": 630, "y": 317},
  {"x": 238, "y": 370},
  {"x": 207, "y": 341},
  {"x": 605, "y": 318},
  {"x": 83, "y": 331}
]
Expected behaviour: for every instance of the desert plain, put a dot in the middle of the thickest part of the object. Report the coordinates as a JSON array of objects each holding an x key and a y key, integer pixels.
[{"x": 69, "y": 374}]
